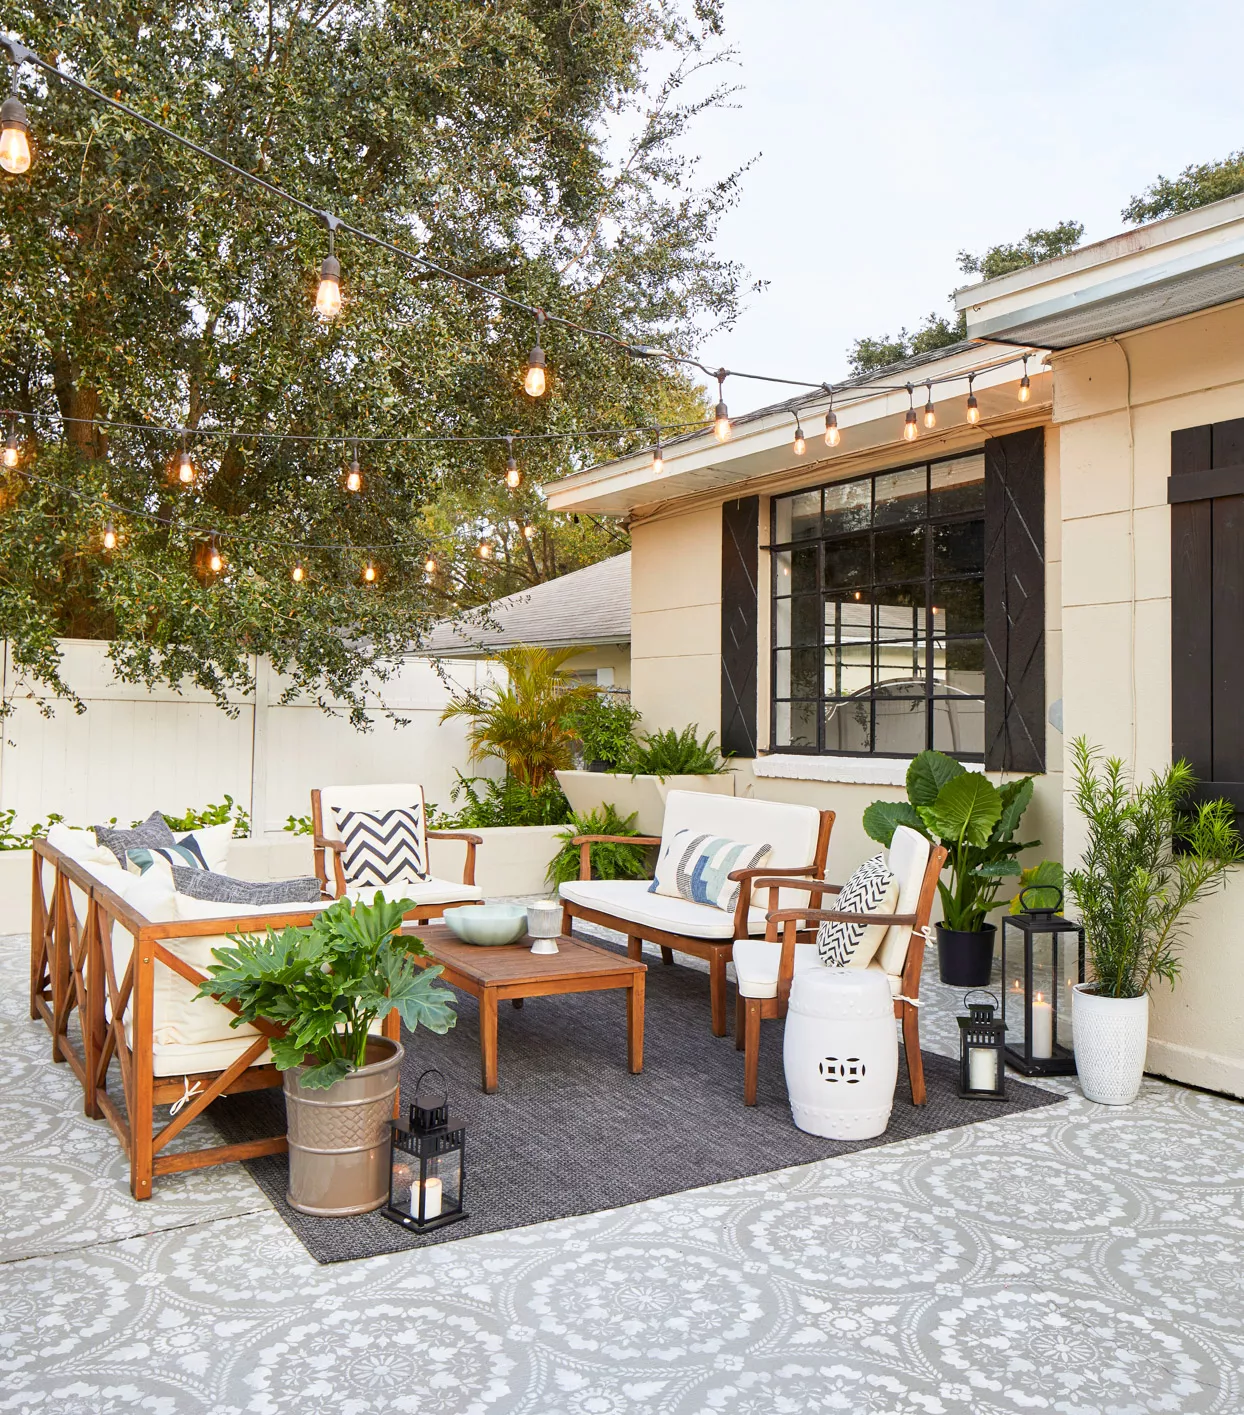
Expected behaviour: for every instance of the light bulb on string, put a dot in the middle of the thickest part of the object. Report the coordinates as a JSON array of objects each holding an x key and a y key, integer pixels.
[
  {"x": 721, "y": 414},
  {"x": 328, "y": 296},
  {"x": 110, "y": 537},
  {"x": 215, "y": 561},
  {"x": 529, "y": 531},
  {"x": 535, "y": 380},
  {"x": 185, "y": 463},
  {"x": 354, "y": 476},
  {"x": 14, "y": 132},
  {"x": 485, "y": 549},
  {"x": 513, "y": 477},
  {"x": 12, "y": 452},
  {"x": 429, "y": 566},
  {"x": 832, "y": 436},
  {"x": 369, "y": 573},
  {"x": 974, "y": 409},
  {"x": 298, "y": 574},
  {"x": 658, "y": 456},
  {"x": 1025, "y": 384},
  {"x": 910, "y": 429},
  {"x": 930, "y": 415},
  {"x": 800, "y": 444}
]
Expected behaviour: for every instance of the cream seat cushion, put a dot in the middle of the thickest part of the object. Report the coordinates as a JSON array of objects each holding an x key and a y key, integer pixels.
[
  {"x": 422, "y": 891},
  {"x": 630, "y": 901},
  {"x": 756, "y": 966}
]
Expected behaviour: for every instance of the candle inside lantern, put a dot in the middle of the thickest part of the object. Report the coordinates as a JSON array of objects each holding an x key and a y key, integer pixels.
[
  {"x": 432, "y": 1198},
  {"x": 1042, "y": 1028},
  {"x": 982, "y": 1069}
]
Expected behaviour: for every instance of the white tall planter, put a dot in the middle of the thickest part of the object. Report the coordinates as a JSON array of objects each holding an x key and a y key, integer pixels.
[{"x": 1111, "y": 1037}]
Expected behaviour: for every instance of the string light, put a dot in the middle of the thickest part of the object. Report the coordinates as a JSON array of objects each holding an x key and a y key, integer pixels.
[
  {"x": 369, "y": 573},
  {"x": 529, "y": 531},
  {"x": 535, "y": 382},
  {"x": 658, "y": 457},
  {"x": 974, "y": 408},
  {"x": 485, "y": 549},
  {"x": 721, "y": 414},
  {"x": 110, "y": 537},
  {"x": 513, "y": 477},
  {"x": 12, "y": 452},
  {"x": 14, "y": 131},
  {"x": 298, "y": 574},
  {"x": 354, "y": 477},
  {"x": 185, "y": 464},
  {"x": 832, "y": 436},
  {"x": 910, "y": 430},
  {"x": 429, "y": 566},
  {"x": 930, "y": 417},
  {"x": 328, "y": 296},
  {"x": 215, "y": 561},
  {"x": 800, "y": 444},
  {"x": 1025, "y": 384}
]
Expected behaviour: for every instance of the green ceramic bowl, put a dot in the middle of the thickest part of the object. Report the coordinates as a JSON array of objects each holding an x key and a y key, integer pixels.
[{"x": 488, "y": 924}]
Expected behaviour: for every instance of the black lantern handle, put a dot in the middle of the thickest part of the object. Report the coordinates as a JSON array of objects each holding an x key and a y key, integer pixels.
[
  {"x": 987, "y": 993},
  {"x": 1052, "y": 909},
  {"x": 433, "y": 1071}
]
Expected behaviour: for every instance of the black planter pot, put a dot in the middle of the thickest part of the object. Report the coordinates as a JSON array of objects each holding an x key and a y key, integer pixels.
[{"x": 965, "y": 960}]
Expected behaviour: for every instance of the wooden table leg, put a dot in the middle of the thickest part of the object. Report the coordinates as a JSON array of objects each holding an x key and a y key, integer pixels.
[
  {"x": 635, "y": 1024},
  {"x": 488, "y": 1038}
]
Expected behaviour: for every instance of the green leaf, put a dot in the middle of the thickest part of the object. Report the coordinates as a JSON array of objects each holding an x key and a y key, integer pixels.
[
  {"x": 928, "y": 773},
  {"x": 1045, "y": 877},
  {"x": 882, "y": 818},
  {"x": 966, "y": 810},
  {"x": 1015, "y": 797},
  {"x": 327, "y": 1073}
]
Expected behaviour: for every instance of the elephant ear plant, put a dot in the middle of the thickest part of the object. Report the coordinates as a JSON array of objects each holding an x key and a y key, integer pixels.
[{"x": 328, "y": 983}]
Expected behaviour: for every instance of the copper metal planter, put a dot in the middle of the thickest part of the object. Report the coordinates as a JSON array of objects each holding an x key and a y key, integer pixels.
[{"x": 339, "y": 1137}]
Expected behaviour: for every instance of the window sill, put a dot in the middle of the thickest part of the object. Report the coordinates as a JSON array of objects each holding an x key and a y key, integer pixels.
[{"x": 860, "y": 771}]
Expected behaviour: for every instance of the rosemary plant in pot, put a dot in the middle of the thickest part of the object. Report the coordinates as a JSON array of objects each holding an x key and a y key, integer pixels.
[
  {"x": 977, "y": 823},
  {"x": 326, "y": 986},
  {"x": 1150, "y": 853}
]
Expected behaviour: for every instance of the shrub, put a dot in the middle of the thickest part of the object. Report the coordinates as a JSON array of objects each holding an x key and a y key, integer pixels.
[
  {"x": 608, "y": 861},
  {"x": 219, "y": 814},
  {"x": 11, "y": 839},
  {"x": 672, "y": 753},
  {"x": 605, "y": 726},
  {"x": 300, "y": 825},
  {"x": 487, "y": 802}
]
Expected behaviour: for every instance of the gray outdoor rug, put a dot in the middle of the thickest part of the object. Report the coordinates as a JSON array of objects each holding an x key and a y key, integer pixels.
[{"x": 571, "y": 1131}]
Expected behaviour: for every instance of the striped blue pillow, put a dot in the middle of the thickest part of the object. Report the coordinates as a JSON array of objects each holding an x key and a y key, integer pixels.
[
  {"x": 185, "y": 854},
  {"x": 696, "y": 866}
]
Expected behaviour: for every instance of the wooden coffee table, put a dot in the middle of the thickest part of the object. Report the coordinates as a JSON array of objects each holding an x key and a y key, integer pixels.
[{"x": 513, "y": 971}]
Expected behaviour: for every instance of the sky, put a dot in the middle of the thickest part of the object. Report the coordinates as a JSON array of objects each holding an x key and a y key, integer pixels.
[{"x": 892, "y": 136}]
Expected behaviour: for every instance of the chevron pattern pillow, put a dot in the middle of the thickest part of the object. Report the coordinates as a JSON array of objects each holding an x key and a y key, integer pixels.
[
  {"x": 382, "y": 846},
  {"x": 872, "y": 889}
]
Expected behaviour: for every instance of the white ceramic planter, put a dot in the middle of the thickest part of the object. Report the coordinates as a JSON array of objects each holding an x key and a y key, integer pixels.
[
  {"x": 15, "y": 877},
  {"x": 1111, "y": 1036},
  {"x": 641, "y": 796}
]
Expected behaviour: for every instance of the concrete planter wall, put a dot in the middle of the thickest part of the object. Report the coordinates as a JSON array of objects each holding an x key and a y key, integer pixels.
[
  {"x": 15, "y": 877},
  {"x": 642, "y": 795}
]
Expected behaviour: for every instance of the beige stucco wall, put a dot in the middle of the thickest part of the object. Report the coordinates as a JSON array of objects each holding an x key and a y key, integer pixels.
[
  {"x": 614, "y": 657},
  {"x": 1115, "y": 405},
  {"x": 676, "y": 665}
]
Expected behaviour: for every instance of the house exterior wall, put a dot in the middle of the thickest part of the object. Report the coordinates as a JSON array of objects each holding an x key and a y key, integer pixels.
[
  {"x": 676, "y": 664},
  {"x": 606, "y": 664},
  {"x": 1116, "y": 404}
]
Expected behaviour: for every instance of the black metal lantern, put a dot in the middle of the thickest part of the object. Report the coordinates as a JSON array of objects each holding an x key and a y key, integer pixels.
[
  {"x": 1046, "y": 961},
  {"x": 982, "y": 1040},
  {"x": 428, "y": 1165}
]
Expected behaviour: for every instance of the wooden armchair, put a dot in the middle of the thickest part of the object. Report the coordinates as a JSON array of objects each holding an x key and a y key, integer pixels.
[
  {"x": 432, "y": 896},
  {"x": 765, "y": 968}
]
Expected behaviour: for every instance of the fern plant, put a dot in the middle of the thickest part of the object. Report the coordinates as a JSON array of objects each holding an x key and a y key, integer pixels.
[
  {"x": 1149, "y": 855},
  {"x": 672, "y": 753},
  {"x": 609, "y": 861},
  {"x": 487, "y": 802}
]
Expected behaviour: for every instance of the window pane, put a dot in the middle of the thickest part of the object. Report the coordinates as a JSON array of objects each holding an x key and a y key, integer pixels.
[
  {"x": 781, "y": 623},
  {"x": 848, "y": 726},
  {"x": 899, "y": 555},
  {"x": 902, "y": 718},
  {"x": 848, "y": 645},
  {"x": 959, "y": 549},
  {"x": 959, "y": 607},
  {"x": 959, "y": 726},
  {"x": 848, "y": 506},
  {"x": 799, "y": 517},
  {"x": 846, "y": 563},
  {"x": 794, "y": 724},
  {"x": 803, "y": 569},
  {"x": 957, "y": 486},
  {"x": 960, "y": 665},
  {"x": 796, "y": 673},
  {"x": 848, "y": 669},
  {"x": 901, "y": 497},
  {"x": 781, "y": 573},
  {"x": 803, "y": 620}
]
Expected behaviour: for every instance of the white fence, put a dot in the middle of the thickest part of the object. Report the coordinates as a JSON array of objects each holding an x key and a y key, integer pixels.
[{"x": 134, "y": 751}]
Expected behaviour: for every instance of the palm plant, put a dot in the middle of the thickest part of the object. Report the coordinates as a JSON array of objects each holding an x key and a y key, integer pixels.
[
  {"x": 1148, "y": 856},
  {"x": 522, "y": 722}
]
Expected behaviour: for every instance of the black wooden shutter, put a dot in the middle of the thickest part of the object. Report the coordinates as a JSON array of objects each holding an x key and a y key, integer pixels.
[
  {"x": 1015, "y": 601},
  {"x": 740, "y": 541},
  {"x": 1206, "y": 492}
]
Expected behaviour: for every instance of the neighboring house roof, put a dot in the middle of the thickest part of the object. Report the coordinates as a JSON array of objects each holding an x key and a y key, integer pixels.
[{"x": 587, "y": 607}]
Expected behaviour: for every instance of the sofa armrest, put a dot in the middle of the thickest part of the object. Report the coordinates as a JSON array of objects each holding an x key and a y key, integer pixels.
[
  {"x": 819, "y": 916},
  {"x": 585, "y": 843}
]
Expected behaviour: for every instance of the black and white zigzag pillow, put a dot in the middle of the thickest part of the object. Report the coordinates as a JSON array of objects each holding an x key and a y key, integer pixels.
[
  {"x": 872, "y": 889},
  {"x": 382, "y": 846}
]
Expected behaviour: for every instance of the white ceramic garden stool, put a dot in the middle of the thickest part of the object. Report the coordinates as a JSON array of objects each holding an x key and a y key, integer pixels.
[{"x": 841, "y": 1052}]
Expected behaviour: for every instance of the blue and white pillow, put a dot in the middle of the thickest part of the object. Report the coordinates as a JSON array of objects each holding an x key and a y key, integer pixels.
[
  {"x": 696, "y": 866},
  {"x": 185, "y": 854},
  {"x": 872, "y": 889}
]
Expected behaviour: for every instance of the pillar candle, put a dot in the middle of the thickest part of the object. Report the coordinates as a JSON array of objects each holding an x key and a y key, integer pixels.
[
  {"x": 982, "y": 1069},
  {"x": 1042, "y": 1028},
  {"x": 432, "y": 1199}
]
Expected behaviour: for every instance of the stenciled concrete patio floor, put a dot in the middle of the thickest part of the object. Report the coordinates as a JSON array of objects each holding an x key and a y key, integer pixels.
[{"x": 1074, "y": 1259}]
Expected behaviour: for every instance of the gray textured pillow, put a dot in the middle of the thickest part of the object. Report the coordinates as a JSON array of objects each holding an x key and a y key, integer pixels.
[
  {"x": 153, "y": 831},
  {"x": 224, "y": 889}
]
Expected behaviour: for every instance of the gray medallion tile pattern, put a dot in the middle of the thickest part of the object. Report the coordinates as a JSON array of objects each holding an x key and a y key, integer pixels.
[{"x": 1075, "y": 1260}]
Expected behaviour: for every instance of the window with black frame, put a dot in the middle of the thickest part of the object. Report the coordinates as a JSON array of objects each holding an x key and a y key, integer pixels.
[{"x": 878, "y": 613}]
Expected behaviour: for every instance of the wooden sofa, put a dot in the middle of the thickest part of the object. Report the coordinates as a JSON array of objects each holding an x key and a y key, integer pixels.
[{"x": 798, "y": 835}]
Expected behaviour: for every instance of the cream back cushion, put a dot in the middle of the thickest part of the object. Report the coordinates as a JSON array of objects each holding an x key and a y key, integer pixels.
[{"x": 908, "y": 857}]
